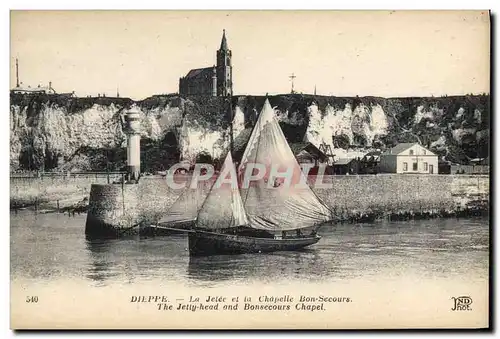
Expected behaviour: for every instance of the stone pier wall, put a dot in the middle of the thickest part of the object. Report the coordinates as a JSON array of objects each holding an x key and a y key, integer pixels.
[
  {"x": 119, "y": 205},
  {"x": 67, "y": 189},
  {"x": 393, "y": 192},
  {"x": 113, "y": 205}
]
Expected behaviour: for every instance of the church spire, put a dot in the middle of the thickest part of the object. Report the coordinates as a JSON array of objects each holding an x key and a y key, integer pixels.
[{"x": 223, "y": 43}]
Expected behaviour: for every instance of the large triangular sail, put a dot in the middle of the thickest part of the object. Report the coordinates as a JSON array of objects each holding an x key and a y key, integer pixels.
[
  {"x": 223, "y": 207},
  {"x": 273, "y": 203}
]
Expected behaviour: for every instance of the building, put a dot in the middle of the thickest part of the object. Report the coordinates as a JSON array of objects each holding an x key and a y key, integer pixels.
[
  {"x": 408, "y": 158},
  {"x": 444, "y": 166},
  {"x": 469, "y": 169},
  {"x": 20, "y": 89},
  {"x": 305, "y": 152},
  {"x": 369, "y": 163},
  {"x": 308, "y": 153},
  {"x": 480, "y": 161},
  {"x": 346, "y": 166},
  {"x": 475, "y": 166},
  {"x": 216, "y": 80}
]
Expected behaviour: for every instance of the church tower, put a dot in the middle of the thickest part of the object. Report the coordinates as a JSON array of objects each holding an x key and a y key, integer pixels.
[{"x": 224, "y": 69}]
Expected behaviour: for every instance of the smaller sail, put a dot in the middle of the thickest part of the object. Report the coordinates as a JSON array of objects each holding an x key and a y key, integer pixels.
[
  {"x": 223, "y": 207},
  {"x": 186, "y": 207}
]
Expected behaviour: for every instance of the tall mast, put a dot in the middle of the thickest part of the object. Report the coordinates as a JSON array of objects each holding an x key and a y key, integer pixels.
[
  {"x": 17, "y": 73},
  {"x": 293, "y": 76}
]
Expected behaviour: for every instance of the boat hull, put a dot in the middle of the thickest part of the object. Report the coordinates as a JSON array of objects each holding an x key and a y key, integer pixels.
[{"x": 206, "y": 243}]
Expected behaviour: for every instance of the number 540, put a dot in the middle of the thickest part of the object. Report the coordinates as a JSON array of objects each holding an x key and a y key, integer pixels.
[{"x": 32, "y": 299}]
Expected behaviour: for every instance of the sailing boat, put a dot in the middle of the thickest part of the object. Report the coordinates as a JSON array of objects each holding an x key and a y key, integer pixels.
[{"x": 271, "y": 213}]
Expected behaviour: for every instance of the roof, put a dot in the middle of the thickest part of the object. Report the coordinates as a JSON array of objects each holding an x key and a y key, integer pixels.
[
  {"x": 373, "y": 156},
  {"x": 343, "y": 161},
  {"x": 399, "y": 148},
  {"x": 480, "y": 161},
  {"x": 240, "y": 143},
  {"x": 44, "y": 89},
  {"x": 309, "y": 147},
  {"x": 297, "y": 147},
  {"x": 206, "y": 73}
]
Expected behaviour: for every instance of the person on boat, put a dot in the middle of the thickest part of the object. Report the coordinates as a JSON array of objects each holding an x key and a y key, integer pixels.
[{"x": 277, "y": 183}]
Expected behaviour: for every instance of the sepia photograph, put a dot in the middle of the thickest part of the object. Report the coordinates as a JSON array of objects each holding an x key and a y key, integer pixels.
[{"x": 250, "y": 169}]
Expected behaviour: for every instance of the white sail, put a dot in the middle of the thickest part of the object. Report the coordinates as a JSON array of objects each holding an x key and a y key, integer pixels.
[
  {"x": 223, "y": 207},
  {"x": 270, "y": 203},
  {"x": 187, "y": 205}
]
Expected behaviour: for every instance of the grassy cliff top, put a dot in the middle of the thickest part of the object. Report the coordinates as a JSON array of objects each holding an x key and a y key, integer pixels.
[{"x": 284, "y": 102}]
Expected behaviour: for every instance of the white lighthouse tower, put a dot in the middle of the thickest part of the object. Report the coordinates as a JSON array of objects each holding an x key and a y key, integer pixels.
[{"x": 133, "y": 130}]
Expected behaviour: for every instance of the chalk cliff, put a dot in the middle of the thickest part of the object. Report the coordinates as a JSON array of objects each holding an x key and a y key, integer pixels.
[{"x": 68, "y": 133}]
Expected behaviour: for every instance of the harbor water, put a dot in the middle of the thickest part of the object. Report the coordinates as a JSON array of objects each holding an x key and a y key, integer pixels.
[{"x": 48, "y": 247}]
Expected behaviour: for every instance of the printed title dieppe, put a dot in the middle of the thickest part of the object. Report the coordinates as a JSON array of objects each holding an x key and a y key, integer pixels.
[{"x": 246, "y": 303}]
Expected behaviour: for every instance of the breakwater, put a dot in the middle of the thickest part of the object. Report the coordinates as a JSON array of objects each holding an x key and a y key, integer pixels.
[
  {"x": 55, "y": 190},
  {"x": 399, "y": 197},
  {"x": 396, "y": 192},
  {"x": 351, "y": 198}
]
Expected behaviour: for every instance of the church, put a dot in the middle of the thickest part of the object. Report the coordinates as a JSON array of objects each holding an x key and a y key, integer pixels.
[{"x": 211, "y": 81}]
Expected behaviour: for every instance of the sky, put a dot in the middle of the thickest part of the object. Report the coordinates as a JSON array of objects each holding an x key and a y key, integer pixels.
[{"x": 341, "y": 53}]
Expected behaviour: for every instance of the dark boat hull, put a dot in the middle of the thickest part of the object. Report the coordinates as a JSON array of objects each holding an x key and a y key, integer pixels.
[{"x": 203, "y": 243}]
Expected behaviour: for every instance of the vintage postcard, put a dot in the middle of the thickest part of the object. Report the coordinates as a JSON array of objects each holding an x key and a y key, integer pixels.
[{"x": 249, "y": 169}]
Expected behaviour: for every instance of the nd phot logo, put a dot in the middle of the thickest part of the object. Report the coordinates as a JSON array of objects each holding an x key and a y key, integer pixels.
[{"x": 461, "y": 303}]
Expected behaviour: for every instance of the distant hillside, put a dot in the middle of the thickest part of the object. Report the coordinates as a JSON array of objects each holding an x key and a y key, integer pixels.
[{"x": 66, "y": 133}]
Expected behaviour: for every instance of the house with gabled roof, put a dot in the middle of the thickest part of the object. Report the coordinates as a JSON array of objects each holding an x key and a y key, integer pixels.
[
  {"x": 304, "y": 152},
  {"x": 408, "y": 158}
]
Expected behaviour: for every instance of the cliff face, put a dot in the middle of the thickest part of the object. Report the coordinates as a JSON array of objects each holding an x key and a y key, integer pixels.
[{"x": 65, "y": 133}]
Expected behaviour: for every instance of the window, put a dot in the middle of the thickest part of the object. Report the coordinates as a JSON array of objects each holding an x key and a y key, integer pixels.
[
  {"x": 405, "y": 166},
  {"x": 425, "y": 152},
  {"x": 415, "y": 166},
  {"x": 411, "y": 152},
  {"x": 425, "y": 166}
]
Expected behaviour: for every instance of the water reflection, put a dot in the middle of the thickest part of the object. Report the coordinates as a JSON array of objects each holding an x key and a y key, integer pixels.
[
  {"x": 130, "y": 259},
  {"x": 306, "y": 264},
  {"x": 100, "y": 267}
]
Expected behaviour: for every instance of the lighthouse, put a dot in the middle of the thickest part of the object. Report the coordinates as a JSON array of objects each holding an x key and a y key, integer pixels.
[{"x": 133, "y": 130}]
